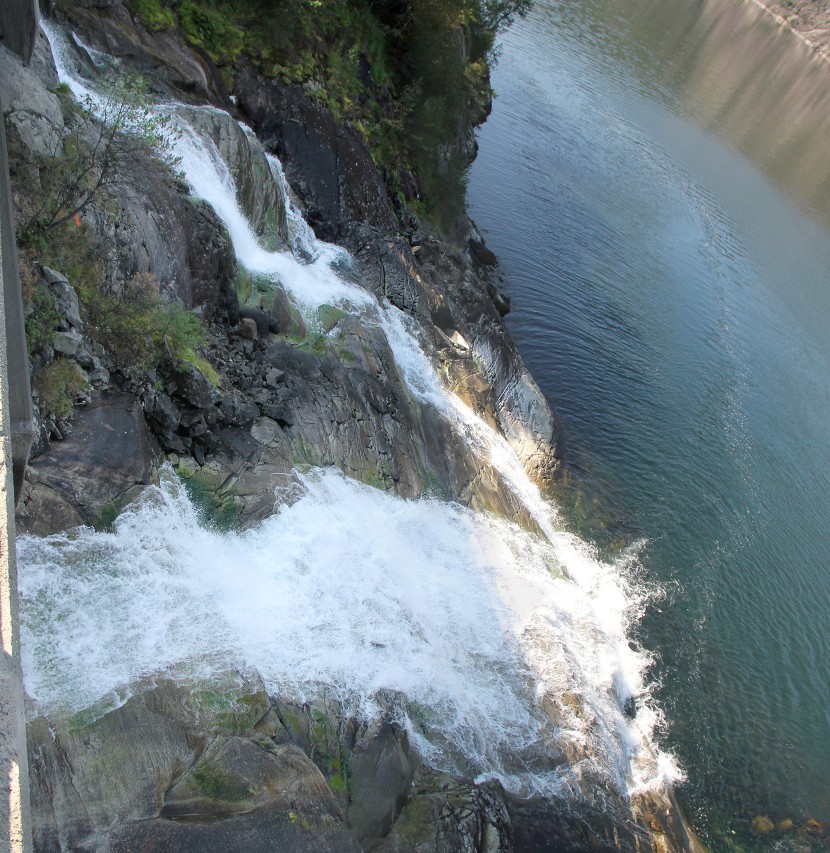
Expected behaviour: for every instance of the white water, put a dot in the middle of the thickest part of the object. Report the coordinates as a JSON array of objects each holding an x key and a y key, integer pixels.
[{"x": 470, "y": 618}]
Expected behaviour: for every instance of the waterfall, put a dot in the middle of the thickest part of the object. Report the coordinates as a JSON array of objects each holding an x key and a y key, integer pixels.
[{"x": 349, "y": 591}]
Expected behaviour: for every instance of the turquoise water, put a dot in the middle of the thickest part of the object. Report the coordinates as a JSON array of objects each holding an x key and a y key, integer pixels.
[{"x": 654, "y": 181}]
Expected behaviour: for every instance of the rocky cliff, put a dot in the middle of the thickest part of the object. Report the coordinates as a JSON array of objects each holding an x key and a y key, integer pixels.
[{"x": 151, "y": 344}]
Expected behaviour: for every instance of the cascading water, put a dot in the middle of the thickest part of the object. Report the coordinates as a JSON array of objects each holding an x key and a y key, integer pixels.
[{"x": 469, "y": 620}]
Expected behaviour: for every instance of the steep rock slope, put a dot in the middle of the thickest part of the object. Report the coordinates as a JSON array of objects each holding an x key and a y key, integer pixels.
[{"x": 221, "y": 765}]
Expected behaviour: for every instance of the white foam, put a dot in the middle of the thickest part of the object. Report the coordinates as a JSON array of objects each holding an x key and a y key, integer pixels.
[
  {"x": 349, "y": 590},
  {"x": 311, "y": 283},
  {"x": 304, "y": 242}
]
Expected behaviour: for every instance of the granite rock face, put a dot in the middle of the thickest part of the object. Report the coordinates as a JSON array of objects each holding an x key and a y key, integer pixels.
[
  {"x": 220, "y": 765},
  {"x": 29, "y": 107},
  {"x": 103, "y": 464}
]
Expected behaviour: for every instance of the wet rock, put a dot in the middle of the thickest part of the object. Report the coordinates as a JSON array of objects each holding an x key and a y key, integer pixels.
[
  {"x": 326, "y": 161},
  {"x": 284, "y": 317},
  {"x": 99, "y": 782},
  {"x": 259, "y": 194},
  {"x": 95, "y": 470},
  {"x": 381, "y": 771},
  {"x": 42, "y": 510},
  {"x": 784, "y": 826},
  {"x": 447, "y": 814},
  {"x": 812, "y": 827},
  {"x": 540, "y": 825}
]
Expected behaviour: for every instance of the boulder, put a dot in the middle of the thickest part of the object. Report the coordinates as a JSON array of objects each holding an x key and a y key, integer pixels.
[
  {"x": 102, "y": 464},
  {"x": 28, "y": 106},
  {"x": 260, "y": 318},
  {"x": 259, "y": 194},
  {"x": 248, "y": 328},
  {"x": 66, "y": 299},
  {"x": 195, "y": 388},
  {"x": 381, "y": 771},
  {"x": 449, "y": 814},
  {"x": 215, "y": 757},
  {"x": 66, "y": 343}
]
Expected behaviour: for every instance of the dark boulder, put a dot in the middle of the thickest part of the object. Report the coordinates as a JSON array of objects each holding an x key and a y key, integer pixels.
[
  {"x": 105, "y": 461},
  {"x": 326, "y": 161}
]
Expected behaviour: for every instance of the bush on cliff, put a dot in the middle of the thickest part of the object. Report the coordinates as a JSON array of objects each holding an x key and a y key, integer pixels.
[
  {"x": 409, "y": 75},
  {"x": 57, "y": 386},
  {"x": 90, "y": 157},
  {"x": 136, "y": 327}
]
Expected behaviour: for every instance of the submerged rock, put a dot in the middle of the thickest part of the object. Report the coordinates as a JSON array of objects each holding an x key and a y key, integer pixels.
[{"x": 761, "y": 825}]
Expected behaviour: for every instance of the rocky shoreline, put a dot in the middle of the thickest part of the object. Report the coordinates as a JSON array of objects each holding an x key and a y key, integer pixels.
[
  {"x": 221, "y": 765},
  {"x": 808, "y": 21}
]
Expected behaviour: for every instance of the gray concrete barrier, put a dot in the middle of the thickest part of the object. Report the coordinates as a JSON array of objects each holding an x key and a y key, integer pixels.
[{"x": 18, "y": 29}]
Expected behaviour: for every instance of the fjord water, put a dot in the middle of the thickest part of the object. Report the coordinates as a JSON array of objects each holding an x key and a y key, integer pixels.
[{"x": 654, "y": 180}]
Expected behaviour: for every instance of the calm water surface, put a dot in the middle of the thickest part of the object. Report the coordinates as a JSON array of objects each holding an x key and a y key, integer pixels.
[{"x": 655, "y": 178}]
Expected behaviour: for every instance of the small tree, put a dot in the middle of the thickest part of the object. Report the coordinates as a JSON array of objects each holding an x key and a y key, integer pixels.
[
  {"x": 107, "y": 134},
  {"x": 498, "y": 14}
]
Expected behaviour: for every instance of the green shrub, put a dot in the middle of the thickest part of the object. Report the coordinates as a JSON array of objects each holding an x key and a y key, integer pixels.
[
  {"x": 42, "y": 318},
  {"x": 58, "y": 384},
  {"x": 138, "y": 329},
  {"x": 207, "y": 26},
  {"x": 153, "y": 14}
]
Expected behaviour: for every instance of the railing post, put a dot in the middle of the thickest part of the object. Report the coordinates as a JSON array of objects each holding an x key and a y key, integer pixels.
[
  {"x": 15, "y": 817},
  {"x": 17, "y": 358}
]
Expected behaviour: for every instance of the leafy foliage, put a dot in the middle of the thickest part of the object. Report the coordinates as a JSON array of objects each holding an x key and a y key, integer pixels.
[
  {"x": 407, "y": 74},
  {"x": 103, "y": 139},
  {"x": 138, "y": 329},
  {"x": 42, "y": 318},
  {"x": 58, "y": 384},
  {"x": 154, "y": 15}
]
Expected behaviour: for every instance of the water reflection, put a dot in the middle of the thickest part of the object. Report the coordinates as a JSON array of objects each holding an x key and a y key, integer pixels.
[{"x": 739, "y": 74}]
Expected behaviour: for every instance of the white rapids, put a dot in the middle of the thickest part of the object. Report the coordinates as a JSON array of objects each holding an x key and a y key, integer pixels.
[{"x": 467, "y": 619}]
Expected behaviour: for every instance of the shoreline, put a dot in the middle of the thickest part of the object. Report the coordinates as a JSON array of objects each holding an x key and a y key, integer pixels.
[{"x": 809, "y": 25}]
